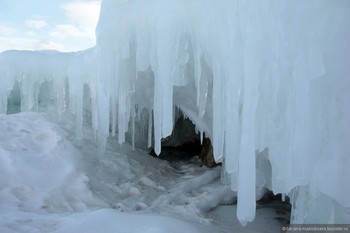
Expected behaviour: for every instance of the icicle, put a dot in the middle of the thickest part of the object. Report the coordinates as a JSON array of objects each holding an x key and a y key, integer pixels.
[
  {"x": 103, "y": 117},
  {"x": 166, "y": 107},
  {"x": 122, "y": 118},
  {"x": 150, "y": 127},
  {"x": 3, "y": 103},
  {"x": 94, "y": 115},
  {"x": 246, "y": 193},
  {"x": 133, "y": 115},
  {"x": 35, "y": 96},
  {"x": 115, "y": 92},
  {"x": 203, "y": 88},
  {"x": 58, "y": 87},
  {"x": 246, "y": 179},
  {"x": 218, "y": 110},
  {"x": 27, "y": 96},
  {"x": 4, "y": 87},
  {"x": 157, "y": 127},
  {"x": 233, "y": 119},
  {"x": 201, "y": 137},
  {"x": 114, "y": 115},
  {"x": 198, "y": 73},
  {"x": 79, "y": 113}
]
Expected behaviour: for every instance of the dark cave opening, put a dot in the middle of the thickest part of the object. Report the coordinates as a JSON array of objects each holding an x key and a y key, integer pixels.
[
  {"x": 183, "y": 144},
  {"x": 183, "y": 152}
]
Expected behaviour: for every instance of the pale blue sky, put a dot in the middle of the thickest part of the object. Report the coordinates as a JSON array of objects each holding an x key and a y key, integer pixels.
[{"x": 64, "y": 25}]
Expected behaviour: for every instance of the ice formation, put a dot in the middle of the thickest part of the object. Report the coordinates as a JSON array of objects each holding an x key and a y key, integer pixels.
[{"x": 255, "y": 76}]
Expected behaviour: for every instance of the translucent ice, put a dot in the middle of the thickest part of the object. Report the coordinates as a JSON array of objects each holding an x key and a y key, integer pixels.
[{"x": 253, "y": 76}]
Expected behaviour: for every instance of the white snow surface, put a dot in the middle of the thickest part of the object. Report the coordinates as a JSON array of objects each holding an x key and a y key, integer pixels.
[
  {"x": 38, "y": 168},
  {"x": 251, "y": 75},
  {"x": 48, "y": 184}
]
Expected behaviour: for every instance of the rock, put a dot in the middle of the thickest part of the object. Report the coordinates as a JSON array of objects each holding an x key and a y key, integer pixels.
[{"x": 206, "y": 155}]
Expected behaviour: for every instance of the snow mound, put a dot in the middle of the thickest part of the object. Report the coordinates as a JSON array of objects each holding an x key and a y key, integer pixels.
[
  {"x": 37, "y": 166},
  {"x": 49, "y": 184}
]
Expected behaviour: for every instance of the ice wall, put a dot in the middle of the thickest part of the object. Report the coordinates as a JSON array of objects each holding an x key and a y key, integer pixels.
[
  {"x": 30, "y": 70},
  {"x": 250, "y": 74}
]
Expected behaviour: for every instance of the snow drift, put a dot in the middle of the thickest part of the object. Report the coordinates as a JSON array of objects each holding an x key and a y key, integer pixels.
[
  {"x": 48, "y": 184},
  {"x": 37, "y": 167},
  {"x": 253, "y": 76}
]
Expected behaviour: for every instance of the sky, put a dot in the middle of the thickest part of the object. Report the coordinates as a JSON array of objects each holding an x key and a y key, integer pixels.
[{"x": 63, "y": 25}]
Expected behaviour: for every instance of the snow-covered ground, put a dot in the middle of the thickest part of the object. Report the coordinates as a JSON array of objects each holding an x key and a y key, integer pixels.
[{"x": 51, "y": 183}]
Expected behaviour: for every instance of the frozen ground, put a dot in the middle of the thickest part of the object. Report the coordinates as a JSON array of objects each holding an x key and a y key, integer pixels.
[{"x": 51, "y": 183}]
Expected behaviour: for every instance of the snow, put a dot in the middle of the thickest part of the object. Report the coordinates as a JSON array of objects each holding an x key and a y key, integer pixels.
[
  {"x": 49, "y": 184},
  {"x": 37, "y": 166},
  {"x": 99, "y": 221},
  {"x": 269, "y": 76}
]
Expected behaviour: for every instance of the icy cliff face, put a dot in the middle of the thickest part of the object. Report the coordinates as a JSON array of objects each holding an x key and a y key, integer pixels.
[{"x": 250, "y": 75}]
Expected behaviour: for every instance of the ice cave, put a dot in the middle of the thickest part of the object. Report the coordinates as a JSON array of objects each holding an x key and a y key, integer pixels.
[{"x": 266, "y": 81}]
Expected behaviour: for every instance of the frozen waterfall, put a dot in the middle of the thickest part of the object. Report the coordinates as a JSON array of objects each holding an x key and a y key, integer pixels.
[{"x": 254, "y": 76}]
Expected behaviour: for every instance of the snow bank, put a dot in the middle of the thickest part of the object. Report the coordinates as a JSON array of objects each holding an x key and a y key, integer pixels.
[
  {"x": 49, "y": 185},
  {"x": 271, "y": 74},
  {"x": 37, "y": 167}
]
